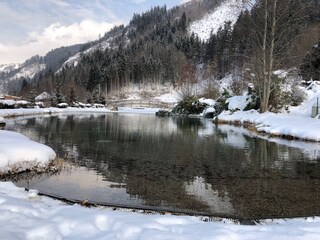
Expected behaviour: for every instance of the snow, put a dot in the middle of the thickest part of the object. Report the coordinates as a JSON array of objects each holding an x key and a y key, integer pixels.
[
  {"x": 62, "y": 105},
  {"x": 74, "y": 60},
  {"x": 29, "y": 71},
  {"x": 43, "y": 96},
  {"x": 229, "y": 10},
  {"x": 19, "y": 153},
  {"x": 172, "y": 97},
  {"x": 137, "y": 110},
  {"x": 281, "y": 73},
  {"x": 208, "y": 101},
  {"x": 14, "y": 102},
  {"x": 296, "y": 123},
  {"x": 238, "y": 102},
  {"x": 25, "y": 215},
  {"x": 8, "y": 67},
  {"x": 35, "y": 111},
  {"x": 95, "y": 109},
  {"x": 296, "y": 126}
]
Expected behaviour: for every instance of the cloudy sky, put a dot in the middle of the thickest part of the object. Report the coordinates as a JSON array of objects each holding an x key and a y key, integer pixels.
[{"x": 30, "y": 27}]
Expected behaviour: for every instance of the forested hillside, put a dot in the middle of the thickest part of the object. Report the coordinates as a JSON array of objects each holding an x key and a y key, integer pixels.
[{"x": 157, "y": 47}]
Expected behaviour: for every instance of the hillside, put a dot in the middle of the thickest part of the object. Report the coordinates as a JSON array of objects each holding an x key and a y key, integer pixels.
[
  {"x": 172, "y": 49},
  {"x": 228, "y": 11}
]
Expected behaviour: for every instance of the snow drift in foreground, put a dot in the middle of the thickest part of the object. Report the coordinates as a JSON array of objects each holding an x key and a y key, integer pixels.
[
  {"x": 25, "y": 215},
  {"x": 18, "y": 153}
]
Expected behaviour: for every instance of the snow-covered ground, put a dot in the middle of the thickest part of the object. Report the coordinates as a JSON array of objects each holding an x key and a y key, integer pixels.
[{"x": 25, "y": 215}]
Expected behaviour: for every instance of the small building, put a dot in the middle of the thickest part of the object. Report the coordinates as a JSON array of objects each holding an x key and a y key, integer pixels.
[
  {"x": 10, "y": 97},
  {"x": 43, "y": 97},
  {"x": 43, "y": 100}
]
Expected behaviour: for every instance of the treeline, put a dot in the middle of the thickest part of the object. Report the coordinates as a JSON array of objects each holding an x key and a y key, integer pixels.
[{"x": 156, "y": 48}]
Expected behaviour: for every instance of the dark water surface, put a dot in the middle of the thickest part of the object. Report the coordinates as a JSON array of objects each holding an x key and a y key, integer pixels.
[{"x": 176, "y": 164}]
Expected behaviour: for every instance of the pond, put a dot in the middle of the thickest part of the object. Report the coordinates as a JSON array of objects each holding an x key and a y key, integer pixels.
[{"x": 177, "y": 164}]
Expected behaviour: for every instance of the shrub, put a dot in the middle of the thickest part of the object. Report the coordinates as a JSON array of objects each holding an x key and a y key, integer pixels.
[
  {"x": 297, "y": 96},
  {"x": 189, "y": 105}
]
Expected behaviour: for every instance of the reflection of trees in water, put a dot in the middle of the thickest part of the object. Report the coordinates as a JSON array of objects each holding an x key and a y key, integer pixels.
[
  {"x": 154, "y": 157},
  {"x": 260, "y": 197}
]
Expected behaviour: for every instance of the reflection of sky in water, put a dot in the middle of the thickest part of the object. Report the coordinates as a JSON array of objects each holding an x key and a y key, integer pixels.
[
  {"x": 218, "y": 203},
  {"x": 80, "y": 183},
  {"x": 236, "y": 138}
]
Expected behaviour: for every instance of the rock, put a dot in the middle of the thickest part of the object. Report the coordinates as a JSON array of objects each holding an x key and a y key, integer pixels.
[{"x": 163, "y": 113}]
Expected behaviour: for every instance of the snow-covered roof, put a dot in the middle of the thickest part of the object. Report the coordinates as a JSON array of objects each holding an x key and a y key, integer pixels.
[{"x": 43, "y": 96}]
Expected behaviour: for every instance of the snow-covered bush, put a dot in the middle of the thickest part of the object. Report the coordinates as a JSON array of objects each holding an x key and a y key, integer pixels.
[
  {"x": 221, "y": 103},
  {"x": 297, "y": 96},
  {"x": 62, "y": 105},
  {"x": 280, "y": 99},
  {"x": 11, "y": 104},
  {"x": 253, "y": 103},
  {"x": 97, "y": 105},
  {"x": 189, "y": 105}
]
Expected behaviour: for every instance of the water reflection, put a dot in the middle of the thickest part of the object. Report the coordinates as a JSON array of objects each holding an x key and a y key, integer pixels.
[{"x": 185, "y": 164}]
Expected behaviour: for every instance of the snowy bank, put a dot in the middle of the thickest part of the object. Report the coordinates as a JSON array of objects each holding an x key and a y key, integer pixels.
[
  {"x": 35, "y": 111},
  {"x": 283, "y": 125},
  {"x": 25, "y": 215},
  {"x": 18, "y": 153}
]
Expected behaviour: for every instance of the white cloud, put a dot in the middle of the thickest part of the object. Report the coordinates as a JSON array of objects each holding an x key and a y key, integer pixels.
[
  {"x": 139, "y": 1},
  {"x": 184, "y": 1},
  {"x": 55, "y": 35}
]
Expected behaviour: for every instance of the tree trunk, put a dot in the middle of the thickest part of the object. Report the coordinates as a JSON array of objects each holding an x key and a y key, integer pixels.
[
  {"x": 268, "y": 54},
  {"x": 264, "y": 99}
]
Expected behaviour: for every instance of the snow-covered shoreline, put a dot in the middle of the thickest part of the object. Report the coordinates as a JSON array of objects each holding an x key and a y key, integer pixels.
[
  {"x": 18, "y": 153},
  {"x": 25, "y": 215},
  {"x": 288, "y": 126},
  {"x": 34, "y": 111}
]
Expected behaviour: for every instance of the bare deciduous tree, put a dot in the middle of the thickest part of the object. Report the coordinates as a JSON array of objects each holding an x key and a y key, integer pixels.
[{"x": 275, "y": 26}]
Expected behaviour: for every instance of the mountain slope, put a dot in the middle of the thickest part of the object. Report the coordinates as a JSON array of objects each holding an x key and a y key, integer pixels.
[{"x": 228, "y": 10}]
